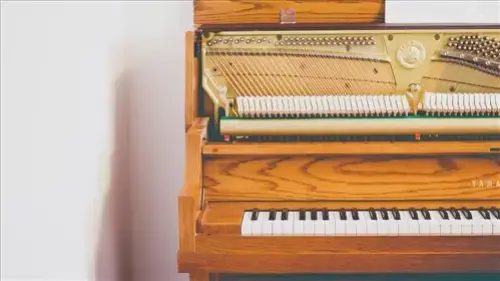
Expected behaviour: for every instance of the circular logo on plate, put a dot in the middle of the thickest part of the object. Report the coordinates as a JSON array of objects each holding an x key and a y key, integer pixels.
[{"x": 411, "y": 54}]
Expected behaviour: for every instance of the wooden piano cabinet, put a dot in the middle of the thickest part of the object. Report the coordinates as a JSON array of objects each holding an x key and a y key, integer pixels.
[{"x": 359, "y": 277}]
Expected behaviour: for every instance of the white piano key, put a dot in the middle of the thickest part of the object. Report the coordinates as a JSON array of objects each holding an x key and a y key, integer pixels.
[
  {"x": 246, "y": 224},
  {"x": 371, "y": 225},
  {"x": 414, "y": 225},
  {"x": 320, "y": 225},
  {"x": 404, "y": 224},
  {"x": 298, "y": 225},
  {"x": 308, "y": 224},
  {"x": 446, "y": 225},
  {"x": 277, "y": 224},
  {"x": 350, "y": 228},
  {"x": 393, "y": 225},
  {"x": 382, "y": 225},
  {"x": 477, "y": 224},
  {"x": 495, "y": 224},
  {"x": 361, "y": 224},
  {"x": 456, "y": 225},
  {"x": 435, "y": 223},
  {"x": 424, "y": 225},
  {"x": 340, "y": 225},
  {"x": 487, "y": 224},
  {"x": 267, "y": 228},
  {"x": 257, "y": 225},
  {"x": 287, "y": 225},
  {"x": 330, "y": 224},
  {"x": 466, "y": 225}
]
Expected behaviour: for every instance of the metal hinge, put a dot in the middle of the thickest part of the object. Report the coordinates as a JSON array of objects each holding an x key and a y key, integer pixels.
[{"x": 287, "y": 16}]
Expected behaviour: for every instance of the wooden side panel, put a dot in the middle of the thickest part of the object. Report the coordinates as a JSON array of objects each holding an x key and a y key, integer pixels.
[
  {"x": 191, "y": 78},
  {"x": 307, "y": 11},
  {"x": 282, "y": 178},
  {"x": 189, "y": 197}
]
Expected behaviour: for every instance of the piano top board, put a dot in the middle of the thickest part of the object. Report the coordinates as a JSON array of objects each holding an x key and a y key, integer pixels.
[{"x": 306, "y": 11}]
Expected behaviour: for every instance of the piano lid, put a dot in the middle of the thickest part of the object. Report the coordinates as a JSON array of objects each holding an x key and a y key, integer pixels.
[{"x": 288, "y": 11}]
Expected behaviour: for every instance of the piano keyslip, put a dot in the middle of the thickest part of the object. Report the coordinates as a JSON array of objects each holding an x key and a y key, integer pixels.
[{"x": 372, "y": 222}]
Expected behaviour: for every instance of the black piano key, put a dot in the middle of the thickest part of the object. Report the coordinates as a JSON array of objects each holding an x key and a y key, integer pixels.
[
  {"x": 325, "y": 214},
  {"x": 355, "y": 214},
  {"x": 302, "y": 215},
  {"x": 385, "y": 214},
  {"x": 443, "y": 213},
  {"x": 454, "y": 213},
  {"x": 284, "y": 215},
  {"x": 255, "y": 215},
  {"x": 467, "y": 214},
  {"x": 413, "y": 214},
  {"x": 343, "y": 214},
  {"x": 373, "y": 214},
  {"x": 272, "y": 215},
  {"x": 425, "y": 213},
  {"x": 396, "y": 214},
  {"x": 495, "y": 212},
  {"x": 314, "y": 215},
  {"x": 484, "y": 213}
]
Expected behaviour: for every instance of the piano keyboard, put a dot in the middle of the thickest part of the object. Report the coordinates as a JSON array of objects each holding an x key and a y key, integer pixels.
[
  {"x": 323, "y": 106},
  {"x": 372, "y": 222}
]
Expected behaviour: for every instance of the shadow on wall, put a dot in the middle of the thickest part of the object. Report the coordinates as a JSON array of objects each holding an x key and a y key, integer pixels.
[
  {"x": 138, "y": 236},
  {"x": 113, "y": 252}
]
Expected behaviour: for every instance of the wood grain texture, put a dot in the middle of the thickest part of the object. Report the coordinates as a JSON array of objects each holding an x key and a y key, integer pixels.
[
  {"x": 359, "y": 277},
  {"x": 190, "y": 198},
  {"x": 341, "y": 263},
  {"x": 199, "y": 276},
  {"x": 349, "y": 148},
  {"x": 287, "y": 178},
  {"x": 191, "y": 78},
  {"x": 221, "y": 218},
  {"x": 307, "y": 11},
  {"x": 241, "y": 245}
]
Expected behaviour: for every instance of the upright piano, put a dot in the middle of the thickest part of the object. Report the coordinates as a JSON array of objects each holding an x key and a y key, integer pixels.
[{"x": 324, "y": 144}]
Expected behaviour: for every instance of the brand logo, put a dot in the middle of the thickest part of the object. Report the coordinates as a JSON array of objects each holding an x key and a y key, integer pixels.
[
  {"x": 486, "y": 183},
  {"x": 411, "y": 54}
]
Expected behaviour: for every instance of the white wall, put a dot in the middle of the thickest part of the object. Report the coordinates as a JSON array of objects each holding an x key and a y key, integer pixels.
[{"x": 90, "y": 173}]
